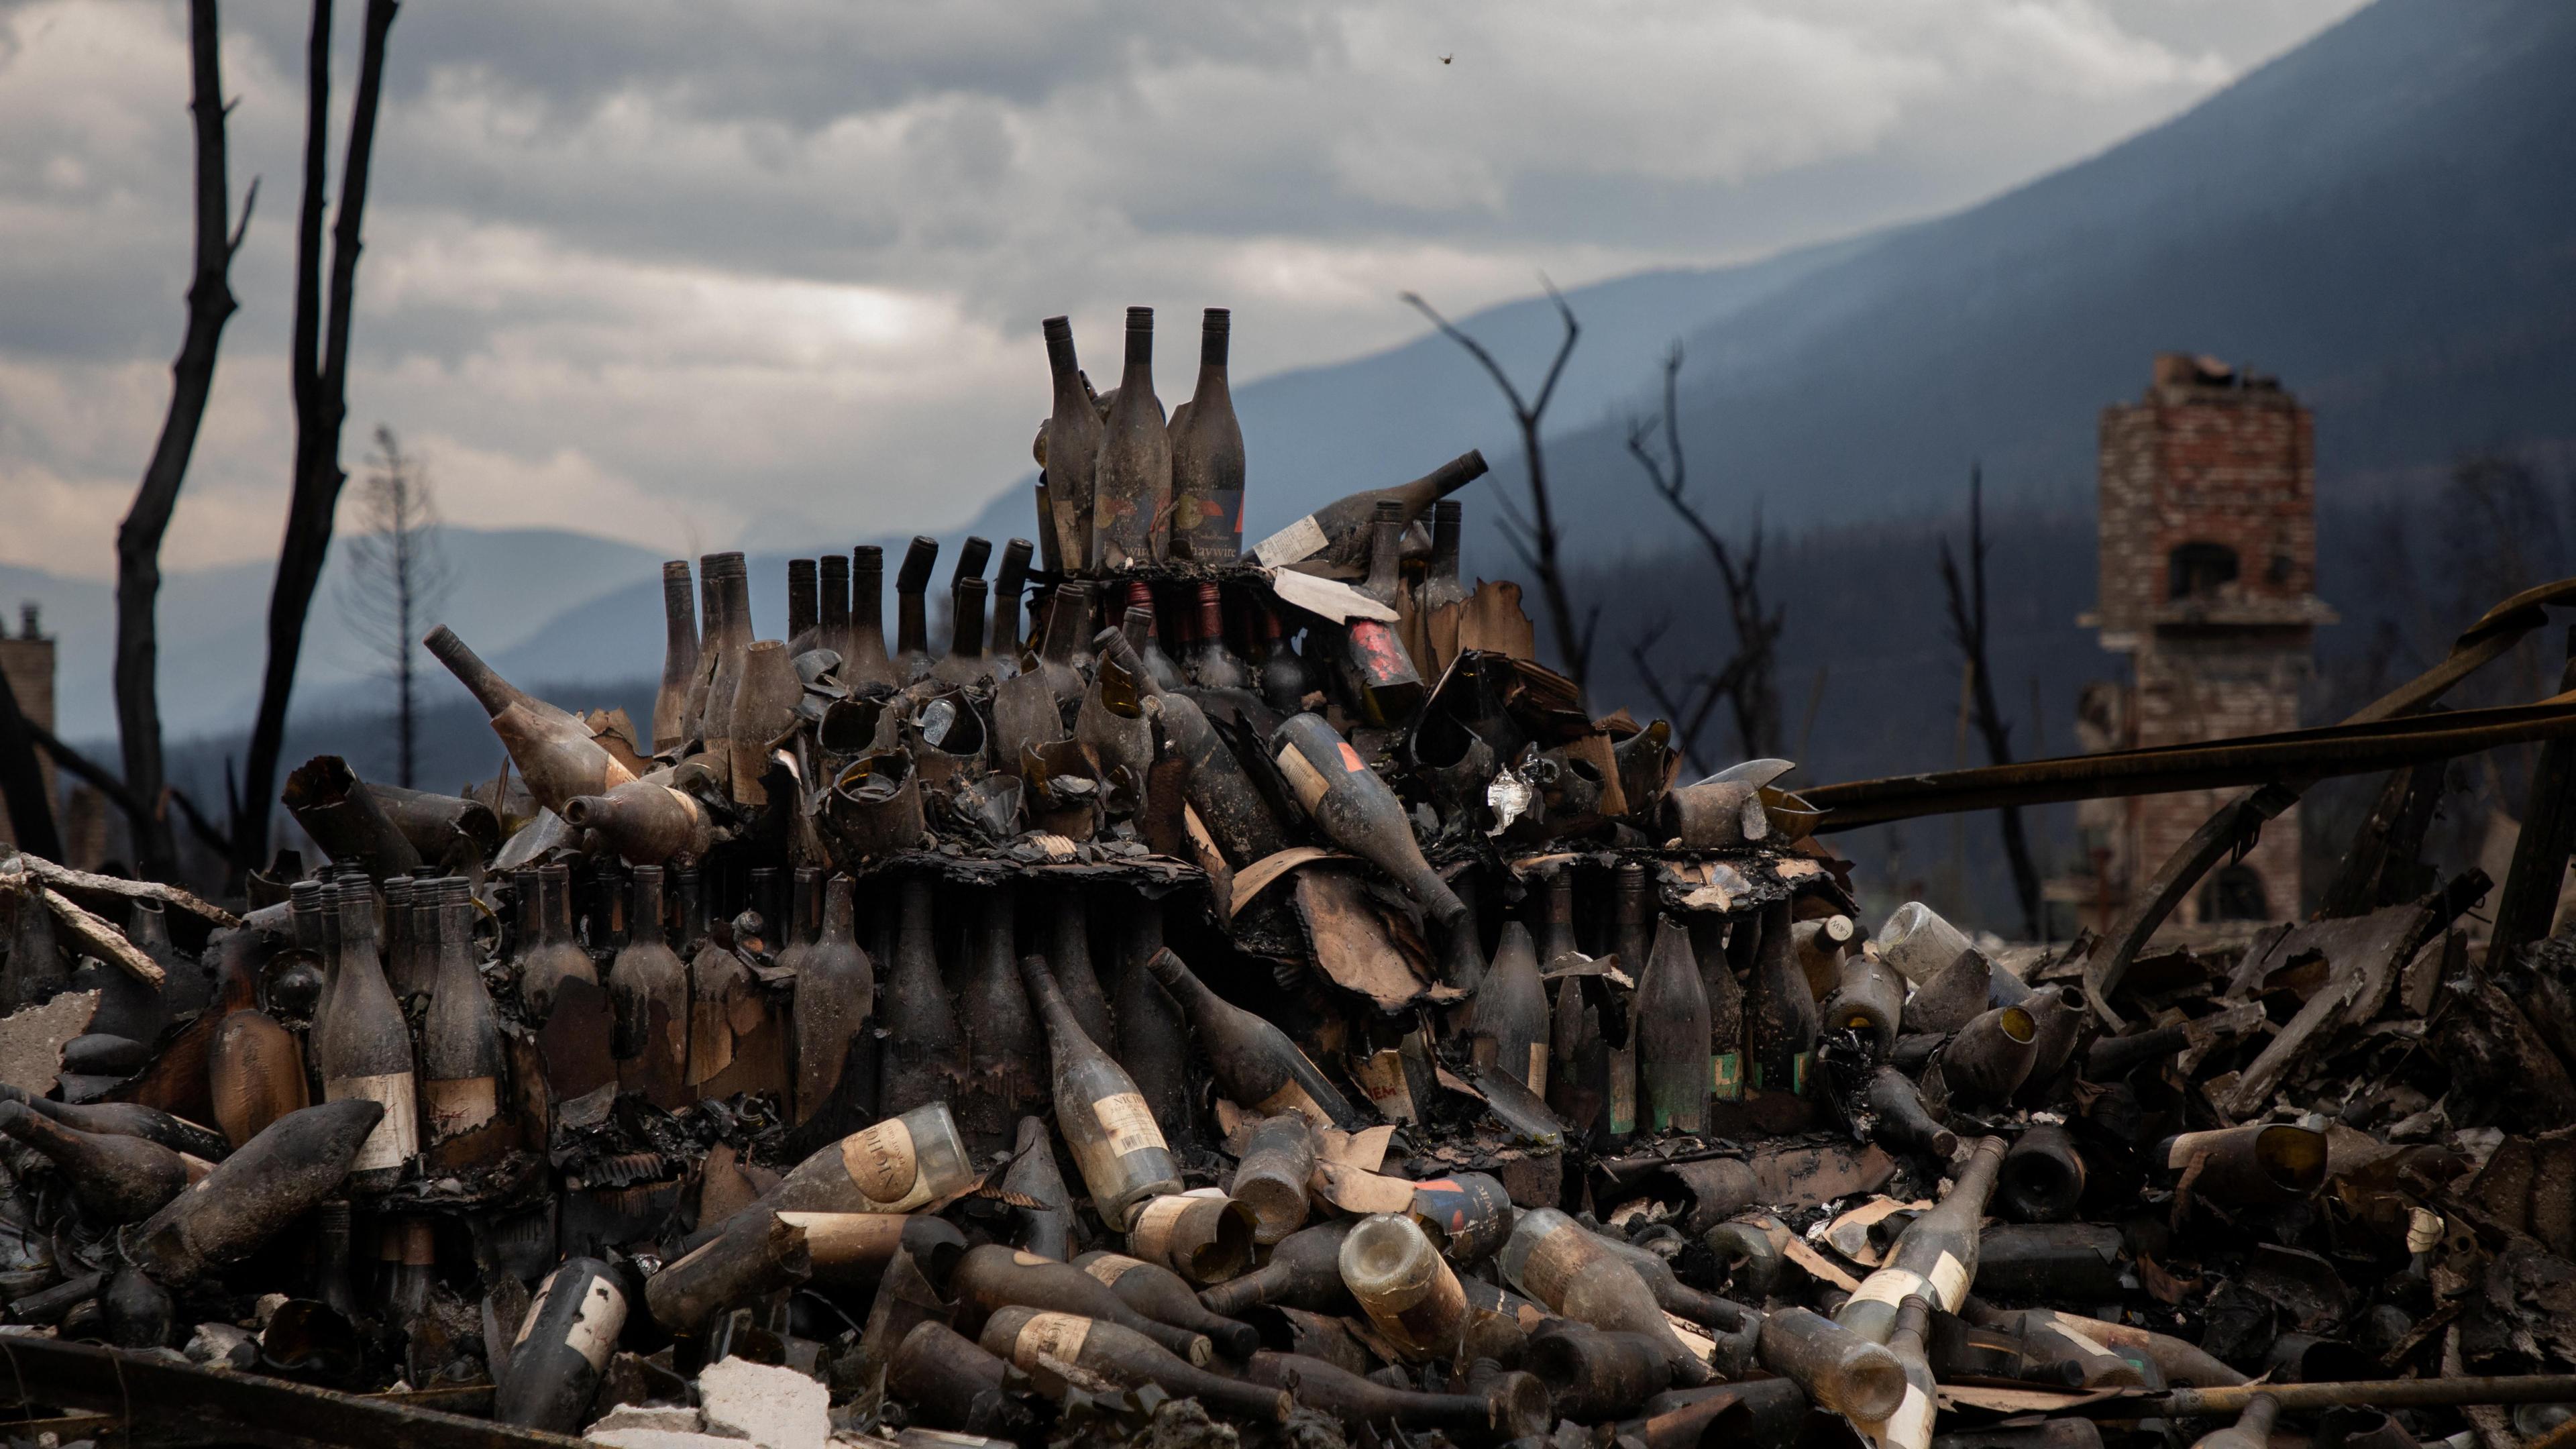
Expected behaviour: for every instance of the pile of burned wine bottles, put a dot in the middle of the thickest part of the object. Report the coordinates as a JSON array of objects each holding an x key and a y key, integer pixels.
[{"x": 1246, "y": 997}]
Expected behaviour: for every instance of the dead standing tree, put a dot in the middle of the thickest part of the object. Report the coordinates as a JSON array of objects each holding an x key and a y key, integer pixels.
[
  {"x": 1968, "y": 630},
  {"x": 138, "y": 540},
  {"x": 1749, "y": 681},
  {"x": 396, "y": 579},
  {"x": 1534, "y": 534},
  {"x": 320, "y": 367}
]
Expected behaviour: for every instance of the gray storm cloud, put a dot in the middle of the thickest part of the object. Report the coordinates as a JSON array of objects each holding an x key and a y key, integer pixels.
[{"x": 674, "y": 272}]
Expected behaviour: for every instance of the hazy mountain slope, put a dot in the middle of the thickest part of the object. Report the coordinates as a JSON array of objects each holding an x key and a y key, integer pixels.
[
  {"x": 2380, "y": 217},
  {"x": 506, "y": 587}
]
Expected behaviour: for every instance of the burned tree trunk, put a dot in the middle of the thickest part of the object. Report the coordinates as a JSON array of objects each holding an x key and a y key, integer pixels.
[
  {"x": 1968, "y": 630},
  {"x": 1534, "y": 535},
  {"x": 321, "y": 391},
  {"x": 138, "y": 540}
]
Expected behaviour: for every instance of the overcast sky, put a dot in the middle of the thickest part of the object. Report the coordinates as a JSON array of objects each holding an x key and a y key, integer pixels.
[{"x": 692, "y": 273}]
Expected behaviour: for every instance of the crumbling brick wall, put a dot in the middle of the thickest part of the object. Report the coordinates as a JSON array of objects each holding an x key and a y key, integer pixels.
[{"x": 2208, "y": 578}]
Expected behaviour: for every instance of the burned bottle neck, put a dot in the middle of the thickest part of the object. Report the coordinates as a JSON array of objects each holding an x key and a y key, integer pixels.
[
  {"x": 912, "y": 620},
  {"x": 1386, "y": 553},
  {"x": 1008, "y": 582},
  {"x": 1063, "y": 365},
  {"x": 804, "y": 602}
]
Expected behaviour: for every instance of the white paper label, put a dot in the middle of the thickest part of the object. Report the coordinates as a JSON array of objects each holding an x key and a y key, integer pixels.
[
  {"x": 1057, "y": 1335},
  {"x": 1128, "y": 1123},
  {"x": 595, "y": 1325},
  {"x": 1297, "y": 541},
  {"x": 1910, "y": 1427},
  {"x": 460, "y": 1105},
  {"x": 396, "y": 1139},
  {"x": 1949, "y": 1283},
  {"x": 1888, "y": 1286},
  {"x": 883, "y": 1167},
  {"x": 1110, "y": 1267}
]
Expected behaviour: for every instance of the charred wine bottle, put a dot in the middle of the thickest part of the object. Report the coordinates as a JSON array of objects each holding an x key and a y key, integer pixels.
[
  {"x": 1562, "y": 1264},
  {"x": 1046, "y": 1204},
  {"x": 1356, "y": 811},
  {"x": 1116, "y": 1142},
  {"x": 571, "y": 1329},
  {"x": 925, "y": 1057},
  {"x": 1725, "y": 1004},
  {"x": 1238, "y": 820},
  {"x": 1072, "y": 439},
  {"x": 362, "y": 1047},
  {"x": 965, "y": 662},
  {"x": 1203, "y": 1235},
  {"x": 1440, "y": 584},
  {"x": 1166, "y": 1297},
  {"x": 865, "y": 661},
  {"x": 115, "y": 1179},
  {"x": 1271, "y": 1177},
  {"x": 1869, "y": 997},
  {"x": 1069, "y": 962},
  {"x": 649, "y": 988},
  {"x": 396, "y": 947},
  {"x": 1382, "y": 677},
  {"x": 1212, "y": 664},
  {"x": 554, "y": 751},
  {"x": 1008, "y": 581},
  {"x": 1404, "y": 1285},
  {"x": 1672, "y": 1036},
  {"x": 911, "y": 618},
  {"x": 1839, "y": 1369},
  {"x": 1304, "y": 1271},
  {"x": 1507, "y": 1407},
  {"x": 1002, "y": 1033},
  {"x": 1131, "y": 484},
  {"x": 764, "y": 707},
  {"x": 461, "y": 1053},
  {"x": 836, "y": 993},
  {"x": 945, "y": 1379},
  {"x": 1122, "y": 1355},
  {"x": 1779, "y": 1013},
  {"x": 1207, "y": 457},
  {"x": 1338, "y": 532},
  {"x": 710, "y": 628},
  {"x": 1910, "y": 1425},
  {"x": 1936, "y": 1255},
  {"x": 1153, "y": 1034},
  {"x": 298, "y": 1160},
  {"x": 1900, "y": 1120},
  {"x": 1068, "y": 624},
  {"x": 2252, "y": 1429},
  {"x": 1511, "y": 1023},
  {"x": 995, "y": 1277},
  {"x": 1255, "y": 1063},
  {"x": 832, "y": 618},
  {"x": 893, "y": 1167},
  {"x": 127, "y": 1119},
  {"x": 557, "y": 957},
  {"x": 255, "y": 1073},
  {"x": 804, "y": 605},
  {"x": 1145, "y": 637},
  {"x": 1595, "y": 1374},
  {"x": 1286, "y": 678},
  {"x": 728, "y": 637}
]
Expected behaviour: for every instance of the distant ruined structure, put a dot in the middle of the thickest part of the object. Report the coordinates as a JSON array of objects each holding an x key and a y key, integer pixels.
[
  {"x": 28, "y": 661},
  {"x": 2208, "y": 559}
]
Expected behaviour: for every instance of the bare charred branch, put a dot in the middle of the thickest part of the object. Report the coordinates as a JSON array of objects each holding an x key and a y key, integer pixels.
[
  {"x": 1967, "y": 602},
  {"x": 320, "y": 389},
  {"x": 138, "y": 539},
  {"x": 1534, "y": 535}
]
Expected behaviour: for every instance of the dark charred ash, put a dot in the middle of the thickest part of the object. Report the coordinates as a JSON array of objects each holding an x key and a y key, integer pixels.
[{"x": 1247, "y": 998}]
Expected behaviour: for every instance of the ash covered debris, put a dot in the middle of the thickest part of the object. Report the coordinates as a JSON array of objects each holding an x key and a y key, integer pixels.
[{"x": 1217, "y": 998}]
